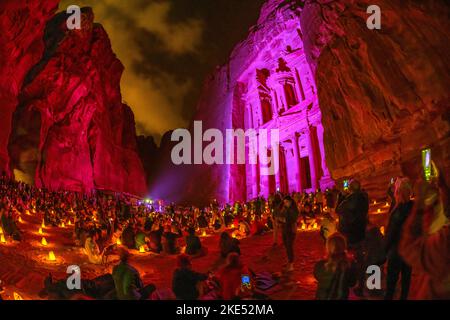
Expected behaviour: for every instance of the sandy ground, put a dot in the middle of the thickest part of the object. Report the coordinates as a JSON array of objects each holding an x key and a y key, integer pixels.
[{"x": 24, "y": 265}]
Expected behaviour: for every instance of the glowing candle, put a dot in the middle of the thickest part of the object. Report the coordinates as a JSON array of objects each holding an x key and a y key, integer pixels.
[
  {"x": 232, "y": 225},
  {"x": 315, "y": 225},
  {"x": 69, "y": 223},
  {"x": 303, "y": 226},
  {"x": 20, "y": 219},
  {"x": 204, "y": 233},
  {"x": 40, "y": 231},
  {"x": 2, "y": 238},
  {"x": 379, "y": 211},
  {"x": 374, "y": 201},
  {"x": 141, "y": 249},
  {"x": 43, "y": 225},
  {"x": 387, "y": 204},
  {"x": 17, "y": 296},
  {"x": 44, "y": 242},
  {"x": 118, "y": 242},
  {"x": 63, "y": 225},
  {"x": 51, "y": 256},
  {"x": 382, "y": 230}
]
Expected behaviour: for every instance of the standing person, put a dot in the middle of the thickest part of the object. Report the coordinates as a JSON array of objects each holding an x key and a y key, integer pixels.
[
  {"x": 288, "y": 219},
  {"x": 353, "y": 217},
  {"x": 336, "y": 274},
  {"x": 396, "y": 265},
  {"x": 276, "y": 210},
  {"x": 425, "y": 242}
]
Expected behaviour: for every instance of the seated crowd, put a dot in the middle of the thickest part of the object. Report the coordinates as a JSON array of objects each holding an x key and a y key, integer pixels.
[{"x": 416, "y": 238}]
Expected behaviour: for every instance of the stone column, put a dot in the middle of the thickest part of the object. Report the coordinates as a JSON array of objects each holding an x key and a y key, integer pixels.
[
  {"x": 278, "y": 173},
  {"x": 274, "y": 103},
  {"x": 254, "y": 180},
  {"x": 326, "y": 180},
  {"x": 299, "y": 87},
  {"x": 322, "y": 149},
  {"x": 312, "y": 160},
  {"x": 248, "y": 109},
  {"x": 296, "y": 150},
  {"x": 253, "y": 99}
]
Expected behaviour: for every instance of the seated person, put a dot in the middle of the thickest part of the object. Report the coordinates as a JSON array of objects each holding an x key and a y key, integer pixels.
[
  {"x": 228, "y": 244},
  {"x": 243, "y": 228},
  {"x": 193, "y": 244},
  {"x": 84, "y": 234},
  {"x": 185, "y": 282},
  {"x": 219, "y": 223},
  {"x": 128, "y": 237},
  {"x": 91, "y": 248},
  {"x": 269, "y": 223},
  {"x": 328, "y": 226},
  {"x": 140, "y": 240},
  {"x": 230, "y": 277},
  {"x": 257, "y": 227},
  {"x": 155, "y": 237},
  {"x": 10, "y": 227},
  {"x": 336, "y": 274},
  {"x": 127, "y": 281},
  {"x": 307, "y": 212},
  {"x": 169, "y": 240},
  {"x": 148, "y": 224},
  {"x": 202, "y": 222}
]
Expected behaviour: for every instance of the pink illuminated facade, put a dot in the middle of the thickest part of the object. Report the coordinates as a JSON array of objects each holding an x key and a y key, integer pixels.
[
  {"x": 277, "y": 91},
  {"x": 266, "y": 83}
]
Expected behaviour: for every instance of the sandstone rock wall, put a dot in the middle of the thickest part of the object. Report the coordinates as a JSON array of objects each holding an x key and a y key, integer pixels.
[
  {"x": 384, "y": 94},
  {"x": 70, "y": 129},
  {"x": 22, "y": 25}
]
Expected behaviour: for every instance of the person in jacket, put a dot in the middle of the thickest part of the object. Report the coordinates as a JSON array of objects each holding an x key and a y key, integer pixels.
[
  {"x": 230, "y": 277},
  {"x": 425, "y": 242},
  {"x": 275, "y": 208},
  {"x": 170, "y": 238},
  {"x": 227, "y": 244},
  {"x": 335, "y": 274},
  {"x": 185, "y": 281},
  {"x": 353, "y": 218},
  {"x": 92, "y": 249},
  {"x": 127, "y": 281},
  {"x": 288, "y": 220},
  {"x": 193, "y": 244},
  {"x": 396, "y": 265}
]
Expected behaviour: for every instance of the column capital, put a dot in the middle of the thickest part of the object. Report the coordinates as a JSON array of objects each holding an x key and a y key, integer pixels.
[{"x": 295, "y": 135}]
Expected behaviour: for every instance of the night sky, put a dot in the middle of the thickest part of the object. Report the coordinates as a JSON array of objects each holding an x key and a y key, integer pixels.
[{"x": 168, "y": 47}]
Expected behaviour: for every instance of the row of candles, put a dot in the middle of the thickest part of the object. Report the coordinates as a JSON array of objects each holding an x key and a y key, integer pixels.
[{"x": 44, "y": 242}]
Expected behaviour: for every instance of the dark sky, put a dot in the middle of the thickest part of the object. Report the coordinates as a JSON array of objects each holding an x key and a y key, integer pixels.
[{"x": 168, "y": 48}]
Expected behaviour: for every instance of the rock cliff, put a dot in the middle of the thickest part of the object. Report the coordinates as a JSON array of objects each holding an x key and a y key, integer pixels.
[{"x": 70, "y": 129}]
